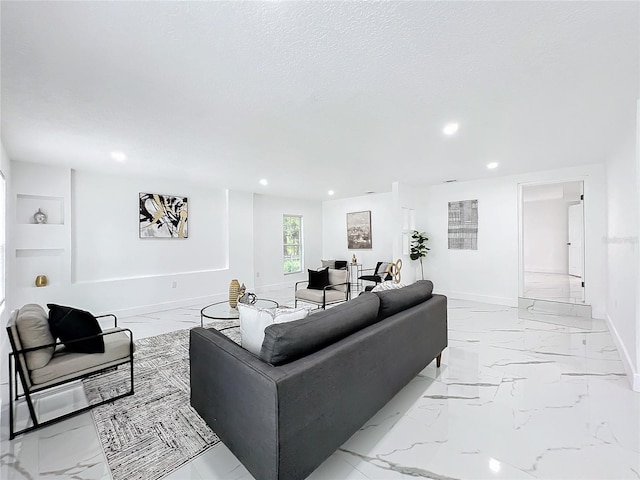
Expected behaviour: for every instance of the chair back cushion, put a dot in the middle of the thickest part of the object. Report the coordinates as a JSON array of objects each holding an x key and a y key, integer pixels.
[
  {"x": 254, "y": 320},
  {"x": 394, "y": 301},
  {"x": 338, "y": 276},
  {"x": 32, "y": 324},
  {"x": 285, "y": 342}
]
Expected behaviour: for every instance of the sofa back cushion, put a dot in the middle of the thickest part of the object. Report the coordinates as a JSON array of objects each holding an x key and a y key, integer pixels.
[
  {"x": 394, "y": 301},
  {"x": 254, "y": 320},
  {"x": 285, "y": 342}
]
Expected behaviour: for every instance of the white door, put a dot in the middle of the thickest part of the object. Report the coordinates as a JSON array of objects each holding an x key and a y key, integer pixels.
[{"x": 576, "y": 242}]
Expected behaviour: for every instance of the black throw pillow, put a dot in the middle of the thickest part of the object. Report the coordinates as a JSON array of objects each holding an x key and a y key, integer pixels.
[
  {"x": 68, "y": 323},
  {"x": 318, "y": 279}
]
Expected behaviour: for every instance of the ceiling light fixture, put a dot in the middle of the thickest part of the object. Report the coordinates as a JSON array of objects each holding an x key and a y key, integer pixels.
[
  {"x": 118, "y": 156},
  {"x": 331, "y": 192},
  {"x": 263, "y": 182},
  {"x": 450, "y": 128},
  {"x": 492, "y": 165}
]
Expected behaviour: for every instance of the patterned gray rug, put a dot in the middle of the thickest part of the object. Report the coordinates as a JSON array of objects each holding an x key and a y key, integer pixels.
[{"x": 153, "y": 432}]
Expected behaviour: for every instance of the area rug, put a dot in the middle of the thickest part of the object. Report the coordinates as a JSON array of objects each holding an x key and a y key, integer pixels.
[{"x": 153, "y": 432}]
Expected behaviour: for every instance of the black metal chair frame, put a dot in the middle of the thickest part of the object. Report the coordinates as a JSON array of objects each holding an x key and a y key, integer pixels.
[
  {"x": 16, "y": 370},
  {"x": 324, "y": 295},
  {"x": 376, "y": 277}
]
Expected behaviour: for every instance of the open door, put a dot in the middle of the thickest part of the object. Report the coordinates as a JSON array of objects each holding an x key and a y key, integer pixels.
[{"x": 575, "y": 243}]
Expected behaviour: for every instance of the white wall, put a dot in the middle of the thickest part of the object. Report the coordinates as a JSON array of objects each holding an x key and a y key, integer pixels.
[
  {"x": 106, "y": 226},
  {"x": 491, "y": 273},
  {"x": 103, "y": 270},
  {"x": 5, "y": 168},
  {"x": 268, "y": 256},
  {"x": 623, "y": 254},
  {"x": 383, "y": 228},
  {"x": 546, "y": 232}
]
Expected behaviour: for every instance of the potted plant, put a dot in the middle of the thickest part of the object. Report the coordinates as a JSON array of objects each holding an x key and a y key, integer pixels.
[{"x": 419, "y": 248}]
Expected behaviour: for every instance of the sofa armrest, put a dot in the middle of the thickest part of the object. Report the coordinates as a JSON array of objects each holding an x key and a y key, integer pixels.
[{"x": 235, "y": 393}]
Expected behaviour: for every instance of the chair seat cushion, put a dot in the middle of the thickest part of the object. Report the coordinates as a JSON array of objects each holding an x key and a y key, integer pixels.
[
  {"x": 371, "y": 278},
  {"x": 65, "y": 365},
  {"x": 315, "y": 296}
]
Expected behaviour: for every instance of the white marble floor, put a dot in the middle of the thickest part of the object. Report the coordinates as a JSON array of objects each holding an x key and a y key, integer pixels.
[
  {"x": 516, "y": 397},
  {"x": 553, "y": 286}
]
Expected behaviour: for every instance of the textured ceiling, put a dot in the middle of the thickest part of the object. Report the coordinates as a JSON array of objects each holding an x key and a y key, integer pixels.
[{"x": 316, "y": 95}]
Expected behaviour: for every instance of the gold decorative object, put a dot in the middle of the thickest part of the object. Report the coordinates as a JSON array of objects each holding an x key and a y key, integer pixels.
[
  {"x": 394, "y": 270},
  {"x": 42, "y": 281},
  {"x": 234, "y": 291},
  {"x": 354, "y": 260}
]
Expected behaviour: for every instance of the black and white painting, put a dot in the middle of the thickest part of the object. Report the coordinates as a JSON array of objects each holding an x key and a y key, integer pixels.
[
  {"x": 359, "y": 230},
  {"x": 463, "y": 225},
  {"x": 163, "y": 216}
]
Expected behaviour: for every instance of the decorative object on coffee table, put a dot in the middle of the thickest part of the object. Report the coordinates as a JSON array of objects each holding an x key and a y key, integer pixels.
[
  {"x": 42, "y": 281},
  {"x": 234, "y": 291}
]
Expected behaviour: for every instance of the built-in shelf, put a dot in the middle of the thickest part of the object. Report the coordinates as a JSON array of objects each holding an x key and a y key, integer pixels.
[
  {"x": 27, "y": 205},
  {"x": 31, "y": 262}
]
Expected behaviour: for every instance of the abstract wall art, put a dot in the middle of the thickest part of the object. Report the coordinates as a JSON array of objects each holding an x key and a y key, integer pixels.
[
  {"x": 463, "y": 225},
  {"x": 163, "y": 216},
  {"x": 359, "y": 230}
]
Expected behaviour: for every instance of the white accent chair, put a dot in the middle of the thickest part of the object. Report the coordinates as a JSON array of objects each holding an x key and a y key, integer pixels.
[
  {"x": 42, "y": 363},
  {"x": 336, "y": 292}
]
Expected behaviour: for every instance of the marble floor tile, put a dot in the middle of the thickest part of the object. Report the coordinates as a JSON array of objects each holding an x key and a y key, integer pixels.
[
  {"x": 519, "y": 395},
  {"x": 553, "y": 286}
]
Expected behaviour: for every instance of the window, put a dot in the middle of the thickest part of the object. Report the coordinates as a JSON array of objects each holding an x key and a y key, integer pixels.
[{"x": 292, "y": 243}]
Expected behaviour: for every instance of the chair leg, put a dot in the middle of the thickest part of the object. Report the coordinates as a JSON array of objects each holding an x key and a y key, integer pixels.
[
  {"x": 11, "y": 399},
  {"x": 438, "y": 359}
]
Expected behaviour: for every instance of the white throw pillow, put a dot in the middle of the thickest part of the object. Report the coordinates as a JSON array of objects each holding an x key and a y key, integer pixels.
[
  {"x": 388, "y": 285},
  {"x": 254, "y": 320}
]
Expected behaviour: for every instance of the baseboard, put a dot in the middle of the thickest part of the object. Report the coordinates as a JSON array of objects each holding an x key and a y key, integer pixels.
[
  {"x": 273, "y": 286},
  {"x": 632, "y": 375},
  {"x": 507, "y": 302},
  {"x": 156, "y": 307},
  {"x": 545, "y": 270}
]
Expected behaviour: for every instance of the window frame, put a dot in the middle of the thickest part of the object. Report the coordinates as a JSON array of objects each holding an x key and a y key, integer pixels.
[{"x": 300, "y": 244}]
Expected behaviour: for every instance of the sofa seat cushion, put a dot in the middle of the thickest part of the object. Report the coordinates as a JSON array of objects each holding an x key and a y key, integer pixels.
[
  {"x": 65, "y": 364},
  {"x": 316, "y": 296},
  {"x": 285, "y": 342},
  {"x": 32, "y": 323},
  {"x": 394, "y": 301}
]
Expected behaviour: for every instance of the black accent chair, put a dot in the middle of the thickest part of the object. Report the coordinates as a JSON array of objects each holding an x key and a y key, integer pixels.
[
  {"x": 380, "y": 274},
  {"x": 63, "y": 367}
]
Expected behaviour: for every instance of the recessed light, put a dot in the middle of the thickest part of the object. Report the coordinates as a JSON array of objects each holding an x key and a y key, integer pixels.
[
  {"x": 331, "y": 192},
  {"x": 492, "y": 165},
  {"x": 450, "y": 181},
  {"x": 263, "y": 181},
  {"x": 118, "y": 156},
  {"x": 450, "y": 128}
]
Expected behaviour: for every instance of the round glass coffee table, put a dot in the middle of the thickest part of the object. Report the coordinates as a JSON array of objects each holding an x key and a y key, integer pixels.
[{"x": 223, "y": 311}]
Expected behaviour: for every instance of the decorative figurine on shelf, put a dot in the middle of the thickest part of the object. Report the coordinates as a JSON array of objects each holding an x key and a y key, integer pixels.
[
  {"x": 42, "y": 281},
  {"x": 354, "y": 260},
  {"x": 40, "y": 217}
]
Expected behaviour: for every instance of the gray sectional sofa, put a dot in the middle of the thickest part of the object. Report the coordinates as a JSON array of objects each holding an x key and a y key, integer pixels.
[{"x": 317, "y": 380}]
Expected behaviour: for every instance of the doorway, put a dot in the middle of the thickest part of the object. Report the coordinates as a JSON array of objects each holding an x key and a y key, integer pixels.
[{"x": 552, "y": 242}]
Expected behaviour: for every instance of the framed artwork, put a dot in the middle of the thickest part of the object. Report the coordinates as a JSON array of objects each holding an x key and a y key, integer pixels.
[
  {"x": 359, "y": 230},
  {"x": 163, "y": 216},
  {"x": 463, "y": 225}
]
